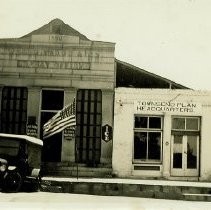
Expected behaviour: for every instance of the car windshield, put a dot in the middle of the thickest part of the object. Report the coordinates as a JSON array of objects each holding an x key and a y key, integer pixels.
[{"x": 9, "y": 147}]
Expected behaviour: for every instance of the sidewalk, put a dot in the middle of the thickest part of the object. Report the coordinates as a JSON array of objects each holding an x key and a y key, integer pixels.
[{"x": 163, "y": 189}]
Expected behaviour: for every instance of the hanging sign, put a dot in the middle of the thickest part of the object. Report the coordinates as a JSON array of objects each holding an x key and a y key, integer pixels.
[{"x": 107, "y": 133}]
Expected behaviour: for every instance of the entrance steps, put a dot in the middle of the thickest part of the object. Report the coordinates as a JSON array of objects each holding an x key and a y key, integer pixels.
[
  {"x": 197, "y": 197},
  {"x": 67, "y": 169},
  {"x": 161, "y": 189}
]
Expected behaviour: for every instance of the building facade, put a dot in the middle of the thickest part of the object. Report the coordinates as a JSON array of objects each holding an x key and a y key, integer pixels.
[
  {"x": 162, "y": 133},
  {"x": 45, "y": 70}
]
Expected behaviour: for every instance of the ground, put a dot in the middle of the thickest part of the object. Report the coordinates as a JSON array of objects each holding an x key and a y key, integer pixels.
[{"x": 64, "y": 201}]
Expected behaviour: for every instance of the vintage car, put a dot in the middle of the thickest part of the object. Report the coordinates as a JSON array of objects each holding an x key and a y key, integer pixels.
[{"x": 20, "y": 160}]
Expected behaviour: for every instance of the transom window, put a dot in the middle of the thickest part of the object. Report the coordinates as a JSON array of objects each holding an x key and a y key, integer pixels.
[
  {"x": 186, "y": 123},
  {"x": 147, "y": 138}
]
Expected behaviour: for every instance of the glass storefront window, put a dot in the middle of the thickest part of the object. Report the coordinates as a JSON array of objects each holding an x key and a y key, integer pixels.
[{"x": 147, "y": 139}]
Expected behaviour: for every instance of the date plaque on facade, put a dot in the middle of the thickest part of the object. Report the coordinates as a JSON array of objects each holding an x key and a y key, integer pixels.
[{"x": 107, "y": 133}]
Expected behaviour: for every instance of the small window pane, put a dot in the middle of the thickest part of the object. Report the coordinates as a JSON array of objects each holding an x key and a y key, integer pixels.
[
  {"x": 154, "y": 146},
  {"x": 99, "y": 119},
  {"x": 155, "y": 122},
  {"x": 12, "y": 93},
  {"x": 178, "y": 123},
  {"x": 192, "y": 152},
  {"x": 18, "y": 96},
  {"x": 79, "y": 95},
  {"x": 140, "y": 145},
  {"x": 92, "y": 95},
  {"x": 85, "y": 107},
  {"x": 91, "y": 131},
  {"x": 177, "y": 151},
  {"x": 98, "y": 131},
  {"x": 99, "y": 107},
  {"x": 92, "y": 107},
  {"x": 91, "y": 119},
  {"x": 86, "y": 92},
  {"x": 85, "y": 119},
  {"x": 192, "y": 124},
  {"x": 99, "y": 96},
  {"x": 141, "y": 122}
]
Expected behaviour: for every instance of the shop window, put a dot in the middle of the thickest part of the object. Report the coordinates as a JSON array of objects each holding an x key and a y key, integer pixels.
[
  {"x": 147, "y": 139},
  {"x": 14, "y": 110}
]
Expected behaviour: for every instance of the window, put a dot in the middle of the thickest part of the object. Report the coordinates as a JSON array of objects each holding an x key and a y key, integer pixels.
[
  {"x": 89, "y": 120},
  {"x": 186, "y": 124},
  {"x": 14, "y": 110},
  {"x": 147, "y": 139}
]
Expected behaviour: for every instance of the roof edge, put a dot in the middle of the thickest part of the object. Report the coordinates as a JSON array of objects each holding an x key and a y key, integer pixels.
[{"x": 151, "y": 74}]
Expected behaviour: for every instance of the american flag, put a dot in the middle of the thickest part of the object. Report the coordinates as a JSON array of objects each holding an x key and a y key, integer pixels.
[{"x": 63, "y": 119}]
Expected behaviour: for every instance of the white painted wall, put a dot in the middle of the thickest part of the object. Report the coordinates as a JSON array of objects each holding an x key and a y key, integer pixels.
[{"x": 124, "y": 111}]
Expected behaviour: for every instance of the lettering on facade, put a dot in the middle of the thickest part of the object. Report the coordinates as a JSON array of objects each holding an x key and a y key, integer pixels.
[
  {"x": 54, "y": 65},
  {"x": 165, "y": 106},
  {"x": 31, "y": 130},
  {"x": 55, "y": 38},
  {"x": 34, "y": 51},
  {"x": 69, "y": 133}
]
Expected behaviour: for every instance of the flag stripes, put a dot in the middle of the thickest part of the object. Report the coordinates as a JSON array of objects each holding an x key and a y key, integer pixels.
[{"x": 63, "y": 119}]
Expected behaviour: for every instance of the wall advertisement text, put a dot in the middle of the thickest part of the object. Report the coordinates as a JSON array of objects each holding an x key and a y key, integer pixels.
[{"x": 167, "y": 106}]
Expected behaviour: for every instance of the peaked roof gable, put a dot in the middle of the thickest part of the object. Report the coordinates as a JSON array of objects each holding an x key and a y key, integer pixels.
[{"x": 56, "y": 26}]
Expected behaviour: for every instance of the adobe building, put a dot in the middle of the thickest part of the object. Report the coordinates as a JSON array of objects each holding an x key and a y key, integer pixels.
[
  {"x": 45, "y": 70},
  {"x": 162, "y": 134}
]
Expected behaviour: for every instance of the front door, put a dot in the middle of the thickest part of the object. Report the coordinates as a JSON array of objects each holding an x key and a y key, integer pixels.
[{"x": 185, "y": 155}]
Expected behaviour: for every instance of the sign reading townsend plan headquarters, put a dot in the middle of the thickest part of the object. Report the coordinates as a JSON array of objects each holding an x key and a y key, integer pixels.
[{"x": 167, "y": 106}]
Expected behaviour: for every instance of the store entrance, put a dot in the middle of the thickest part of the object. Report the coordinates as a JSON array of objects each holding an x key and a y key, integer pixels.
[{"x": 185, "y": 155}]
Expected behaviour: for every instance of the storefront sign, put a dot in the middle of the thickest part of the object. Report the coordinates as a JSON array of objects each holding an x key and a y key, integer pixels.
[
  {"x": 107, "y": 133},
  {"x": 69, "y": 133},
  {"x": 167, "y": 106},
  {"x": 32, "y": 130},
  {"x": 54, "y": 65}
]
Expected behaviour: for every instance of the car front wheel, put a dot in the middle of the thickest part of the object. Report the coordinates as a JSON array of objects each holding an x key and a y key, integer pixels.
[{"x": 13, "y": 182}]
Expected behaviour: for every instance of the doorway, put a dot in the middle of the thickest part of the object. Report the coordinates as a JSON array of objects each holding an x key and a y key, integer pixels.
[
  {"x": 185, "y": 155},
  {"x": 51, "y": 102}
]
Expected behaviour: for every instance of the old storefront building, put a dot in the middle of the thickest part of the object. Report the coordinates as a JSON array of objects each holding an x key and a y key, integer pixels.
[
  {"x": 162, "y": 133},
  {"x": 47, "y": 69}
]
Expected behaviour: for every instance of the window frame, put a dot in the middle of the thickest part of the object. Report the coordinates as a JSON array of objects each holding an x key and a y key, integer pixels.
[
  {"x": 149, "y": 130},
  {"x": 186, "y": 131},
  {"x": 14, "y": 107},
  {"x": 186, "y": 117}
]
